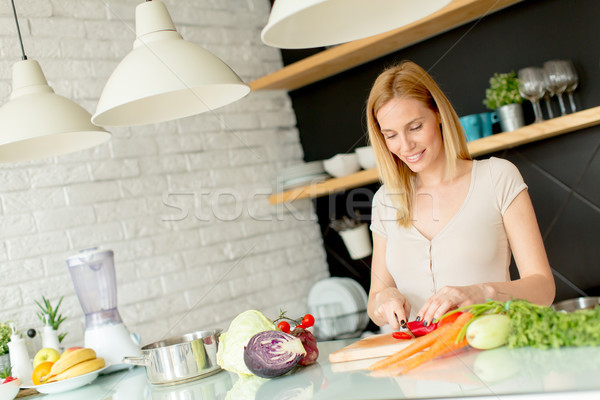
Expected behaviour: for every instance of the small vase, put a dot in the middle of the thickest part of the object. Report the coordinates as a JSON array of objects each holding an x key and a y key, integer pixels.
[
  {"x": 511, "y": 117},
  {"x": 357, "y": 241}
]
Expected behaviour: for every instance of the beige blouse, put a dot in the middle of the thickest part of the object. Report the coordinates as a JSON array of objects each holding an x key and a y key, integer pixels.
[{"x": 472, "y": 248}]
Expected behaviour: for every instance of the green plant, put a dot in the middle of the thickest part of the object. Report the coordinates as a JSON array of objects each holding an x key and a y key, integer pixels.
[
  {"x": 51, "y": 314},
  {"x": 503, "y": 90},
  {"x": 4, "y": 338},
  {"x": 6, "y": 372}
]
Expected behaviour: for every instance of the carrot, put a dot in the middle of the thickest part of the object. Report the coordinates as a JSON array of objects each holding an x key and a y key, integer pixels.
[
  {"x": 420, "y": 343},
  {"x": 435, "y": 351},
  {"x": 441, "y": 343}
]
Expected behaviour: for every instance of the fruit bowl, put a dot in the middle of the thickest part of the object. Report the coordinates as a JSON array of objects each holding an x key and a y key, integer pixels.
[
  {"x": 9, "y": 390},
  {"x": 67, "y": 384}
]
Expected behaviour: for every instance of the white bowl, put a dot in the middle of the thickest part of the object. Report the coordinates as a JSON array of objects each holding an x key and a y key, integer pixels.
[
  {"x": 342, "y": 165},
  {"x": 366, "y": 157},
  {"x": 8, "y": 391}
]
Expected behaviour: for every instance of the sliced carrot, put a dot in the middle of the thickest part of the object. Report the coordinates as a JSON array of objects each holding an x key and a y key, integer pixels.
[
  {"x": 420, "y": 343},
  {"x": 441, "y": 343}
]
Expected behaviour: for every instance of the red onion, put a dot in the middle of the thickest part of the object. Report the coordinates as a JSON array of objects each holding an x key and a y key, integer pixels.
[
  {"x": 310, "y": 345},
  {"x": 272, "y": 353}
]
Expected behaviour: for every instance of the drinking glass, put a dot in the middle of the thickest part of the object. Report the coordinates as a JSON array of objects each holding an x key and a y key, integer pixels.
[
  {"x": 548, "y": 93},
  {"x": 532, "y": 87},
  {"x": 558, "y": 80},
  {"x": 572, "y": 81}
]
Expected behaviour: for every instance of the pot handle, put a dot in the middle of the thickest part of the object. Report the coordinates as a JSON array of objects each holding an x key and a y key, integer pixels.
[{"x": 141, "y": 361}]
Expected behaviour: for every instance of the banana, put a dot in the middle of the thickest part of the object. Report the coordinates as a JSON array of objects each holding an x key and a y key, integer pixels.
[
  {"x": 78, "y": 369},
  {"x": 71, "y": 358}
]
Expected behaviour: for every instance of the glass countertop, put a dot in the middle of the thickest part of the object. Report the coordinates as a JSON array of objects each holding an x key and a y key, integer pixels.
[{"x": 513, "y": 374}]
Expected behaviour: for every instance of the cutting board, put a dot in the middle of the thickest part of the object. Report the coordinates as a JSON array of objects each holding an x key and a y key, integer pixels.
[{"x": 370, "y": 347}]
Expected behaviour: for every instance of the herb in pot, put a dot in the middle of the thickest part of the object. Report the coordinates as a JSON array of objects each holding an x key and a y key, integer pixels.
[
  {"x": 503, "y": 90},
  {"x": 51, "y": 314},
  {"x": 4, "y": 338}
]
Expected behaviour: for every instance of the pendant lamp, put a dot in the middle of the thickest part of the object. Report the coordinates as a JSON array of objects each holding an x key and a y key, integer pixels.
[
  {"x": 36, "y": 122},
  {"x": 295, "y": 24},
  {"x": 164, "y": 77}
]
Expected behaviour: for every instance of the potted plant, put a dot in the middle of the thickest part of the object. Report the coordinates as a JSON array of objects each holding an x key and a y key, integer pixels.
[
  {"x": 355, "y": 235},
  {"x": 4, "y": 339},
  {"x": 504, "y": 97},
  {"x": 49, "y": 315}
]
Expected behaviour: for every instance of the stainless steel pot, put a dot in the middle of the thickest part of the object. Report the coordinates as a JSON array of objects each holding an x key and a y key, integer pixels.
[
  {"x": 579, "y": 303},
  {"x": 180, "y": 359}
]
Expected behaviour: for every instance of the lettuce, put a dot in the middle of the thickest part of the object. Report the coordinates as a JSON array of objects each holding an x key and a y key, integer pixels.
[{"x": 230, "y": 355}]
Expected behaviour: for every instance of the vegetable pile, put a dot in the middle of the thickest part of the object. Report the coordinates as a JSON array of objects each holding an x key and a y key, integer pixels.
[
  {"x": 542, "y": 327},
  {"x": 515, "y": 323},
  {"x": 253, "y": 345}
]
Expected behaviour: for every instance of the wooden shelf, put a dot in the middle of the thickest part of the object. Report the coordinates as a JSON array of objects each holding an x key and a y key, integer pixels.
[
  {"x": 349, "y": 55},
  {"x": 527, "y": 134}
]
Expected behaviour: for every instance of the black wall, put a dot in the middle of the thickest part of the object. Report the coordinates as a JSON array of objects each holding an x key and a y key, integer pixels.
[{"x": 563, "y": 173}]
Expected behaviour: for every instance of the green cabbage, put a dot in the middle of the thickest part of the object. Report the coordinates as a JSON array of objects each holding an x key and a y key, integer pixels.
[{"x": 230, "y": 355}]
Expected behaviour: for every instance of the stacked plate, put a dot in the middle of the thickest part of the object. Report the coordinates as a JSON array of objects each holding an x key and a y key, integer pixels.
[
  {"x": 300, "y": 175},
  {"x": 339, "y": 306}
]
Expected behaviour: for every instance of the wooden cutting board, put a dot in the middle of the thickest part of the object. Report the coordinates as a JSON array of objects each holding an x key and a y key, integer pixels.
[{"x": 370, "y": 347}]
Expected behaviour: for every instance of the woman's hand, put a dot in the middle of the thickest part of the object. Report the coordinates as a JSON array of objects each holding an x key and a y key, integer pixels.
[
  {"x": 390, "y": 307},
  {"x": 451, "y": 297}
]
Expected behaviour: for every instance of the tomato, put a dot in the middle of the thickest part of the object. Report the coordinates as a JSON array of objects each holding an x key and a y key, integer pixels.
[
  {"x": 300, "y": 326},
  {"x": 449, "y": 319},
  {"x": 9, "y": 379},
  {"x": 401, "y": 335},
  {"x": 308, "y": 320},
  {"x": 284, "y": 326}
]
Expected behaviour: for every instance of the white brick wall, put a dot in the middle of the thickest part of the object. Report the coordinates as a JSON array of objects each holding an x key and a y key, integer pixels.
[{"x": 232, "y": 251}]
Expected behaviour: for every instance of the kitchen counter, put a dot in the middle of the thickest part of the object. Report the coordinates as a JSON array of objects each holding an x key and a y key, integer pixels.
[{"x": 503, "y": 373}]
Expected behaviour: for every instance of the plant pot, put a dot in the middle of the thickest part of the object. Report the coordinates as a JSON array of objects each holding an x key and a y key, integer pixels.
[
  {"x": 357, "y": 241},
  {"x": 511, "y": 117},
  {"x": 4, "y": 361}
]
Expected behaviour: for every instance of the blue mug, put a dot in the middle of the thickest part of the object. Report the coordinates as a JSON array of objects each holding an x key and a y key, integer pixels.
[
  {"x": 488, "y": 119},
  {"x": 472, "y": 126}
]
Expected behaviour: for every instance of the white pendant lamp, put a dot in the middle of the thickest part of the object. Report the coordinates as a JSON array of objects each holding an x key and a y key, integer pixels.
[
  {"x": 37, "y": 123},
  {"x": 164, "y": 77},
  {"x": 295, "y": 24}
]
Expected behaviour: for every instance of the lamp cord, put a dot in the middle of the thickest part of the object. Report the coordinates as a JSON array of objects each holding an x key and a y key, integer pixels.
[{"x": 24, "y": 57}]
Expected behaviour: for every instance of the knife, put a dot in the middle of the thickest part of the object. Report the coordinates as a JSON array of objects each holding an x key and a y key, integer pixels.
[{"x": 404, "y": 328}]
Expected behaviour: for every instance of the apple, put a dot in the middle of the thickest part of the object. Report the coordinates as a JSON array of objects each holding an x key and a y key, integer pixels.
[{"x": 45, "y": 354}]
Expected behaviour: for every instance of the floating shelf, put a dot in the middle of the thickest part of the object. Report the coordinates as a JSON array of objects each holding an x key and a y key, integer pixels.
[
  {"x": 349, "y": 55},
  {"x": 527, "y": 134}
]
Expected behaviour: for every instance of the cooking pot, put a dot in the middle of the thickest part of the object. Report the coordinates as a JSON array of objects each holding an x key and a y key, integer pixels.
[
  {"x": 579, "y": 303},
  {"x": 180, "y": 359}
]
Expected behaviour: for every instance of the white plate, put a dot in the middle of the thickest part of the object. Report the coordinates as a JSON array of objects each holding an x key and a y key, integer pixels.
[
  {"x": 67, "y": 384},
  {"x": 311, "y": 168},
  {"x": 361, "y": 298},
  {"x": 329, "y": 299},
  {"x": 303, "y": 180}
]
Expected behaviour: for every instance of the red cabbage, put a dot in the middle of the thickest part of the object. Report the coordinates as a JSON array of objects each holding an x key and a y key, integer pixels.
[
  {"x": 310, "y": 345},
  {"x": 272, "y": 353}
]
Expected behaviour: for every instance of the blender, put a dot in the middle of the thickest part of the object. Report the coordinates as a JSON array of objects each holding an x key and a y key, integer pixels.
[{"x": 94, "y": 278}]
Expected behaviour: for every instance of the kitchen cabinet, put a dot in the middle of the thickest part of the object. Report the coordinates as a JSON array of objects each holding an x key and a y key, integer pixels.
[
  {"x": 527, "y": 134},
  {"x": 345, "y": 56}
]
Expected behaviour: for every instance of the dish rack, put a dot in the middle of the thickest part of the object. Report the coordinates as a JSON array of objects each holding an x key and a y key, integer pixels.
[{"x": 341, "y": 326}]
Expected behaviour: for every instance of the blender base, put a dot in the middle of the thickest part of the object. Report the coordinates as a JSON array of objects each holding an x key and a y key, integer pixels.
[{"x": 112, "y": 342}]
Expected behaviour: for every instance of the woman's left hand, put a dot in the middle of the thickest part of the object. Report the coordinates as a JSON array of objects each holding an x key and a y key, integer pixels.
[{"x": 451, "y": 297}]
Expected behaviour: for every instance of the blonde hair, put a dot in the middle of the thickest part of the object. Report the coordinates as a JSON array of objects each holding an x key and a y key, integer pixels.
[{"x": 408, "y": 80}]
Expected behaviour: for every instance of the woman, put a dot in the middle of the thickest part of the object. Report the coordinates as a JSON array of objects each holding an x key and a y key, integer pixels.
[{"x": 443, "y": 225}]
